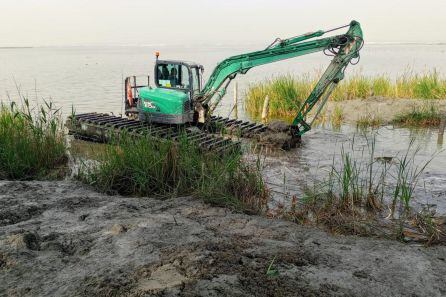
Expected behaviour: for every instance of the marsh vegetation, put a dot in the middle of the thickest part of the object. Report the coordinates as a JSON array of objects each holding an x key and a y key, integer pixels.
[
  {"x": 144, "y": 166},
  {"x": 32, "y": 141},
  {"x": 287, "y": 93},
  {"x": 425, "y": 116},
  {"x": 366, "y": 194}
]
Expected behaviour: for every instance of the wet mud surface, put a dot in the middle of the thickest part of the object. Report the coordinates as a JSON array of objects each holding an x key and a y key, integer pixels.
[
  {"x": 62, "y": 239},
  {"x": 384, "y": 108}
]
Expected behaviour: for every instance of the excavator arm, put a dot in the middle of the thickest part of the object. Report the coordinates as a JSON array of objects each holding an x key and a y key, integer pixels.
[{"x": 343, "y": 47}]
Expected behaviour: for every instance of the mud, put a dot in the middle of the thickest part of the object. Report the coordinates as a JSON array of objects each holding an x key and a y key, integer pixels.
[
  {"x": 384, "y": 108},
  {"x": 63, "y": 239},
  {"x": 278, "y": 135}
]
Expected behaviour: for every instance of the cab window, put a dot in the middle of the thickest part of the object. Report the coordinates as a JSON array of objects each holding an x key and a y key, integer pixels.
[
  {"x": 195, "y": 79},
  {"x": 173, "y": 76}
]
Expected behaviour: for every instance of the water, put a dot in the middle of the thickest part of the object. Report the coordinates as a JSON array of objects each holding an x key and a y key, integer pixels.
[
  {"x": 90, "y": 79},
  {"x": 288, "y": 173}
]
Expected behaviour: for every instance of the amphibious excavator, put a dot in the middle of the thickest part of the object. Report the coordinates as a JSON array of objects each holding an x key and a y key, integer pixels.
[{"x": 180, "y": 100}]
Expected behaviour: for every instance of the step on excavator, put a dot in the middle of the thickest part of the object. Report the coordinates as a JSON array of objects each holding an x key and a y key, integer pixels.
[{"x": 181, "y": 103}]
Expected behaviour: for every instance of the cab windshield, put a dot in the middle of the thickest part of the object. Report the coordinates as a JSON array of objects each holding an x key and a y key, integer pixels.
[{"x": 173, "y": 76}]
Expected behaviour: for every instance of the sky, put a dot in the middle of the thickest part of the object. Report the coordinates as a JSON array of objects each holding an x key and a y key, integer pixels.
[{"x": 206, "y": 22}]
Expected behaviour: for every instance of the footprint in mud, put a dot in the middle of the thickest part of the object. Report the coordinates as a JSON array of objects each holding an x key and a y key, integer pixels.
[
  {"x": 164, "y": 277},
  {"x": 80, "y": 244},
  {"x": 19, "y": 213},
  {"x": 2, "y": 260},
  {"x": 28, "y": 240}
]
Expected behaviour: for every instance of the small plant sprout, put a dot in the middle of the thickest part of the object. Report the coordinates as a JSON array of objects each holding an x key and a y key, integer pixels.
[{"x": 272, "y": 271}]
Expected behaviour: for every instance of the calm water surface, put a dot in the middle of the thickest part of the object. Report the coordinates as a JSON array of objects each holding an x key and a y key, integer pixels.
[{"x": 90, "y": 78}]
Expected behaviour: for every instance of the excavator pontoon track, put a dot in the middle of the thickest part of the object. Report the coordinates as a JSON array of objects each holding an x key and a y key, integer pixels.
[{"x": 100, "y": 127}]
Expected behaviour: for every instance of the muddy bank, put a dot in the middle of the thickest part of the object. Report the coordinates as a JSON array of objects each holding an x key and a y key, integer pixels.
[
  {"x": 62, "y": 239},
  {"x": 384, "y": 108}
]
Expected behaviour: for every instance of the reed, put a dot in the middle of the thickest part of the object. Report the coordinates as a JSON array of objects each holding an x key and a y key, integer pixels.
[
  {"x": 369, "y": 120},
  {"x": 147, "y": 167},
  {"x": 359, "y": 190},
  {"x": 406, "y": 179},
  {"x": 426, "y": 115},
  {"x": 32, "y": 143},
  {"x": 336, "y": 117},
  {"x": 287, "y": 92}
]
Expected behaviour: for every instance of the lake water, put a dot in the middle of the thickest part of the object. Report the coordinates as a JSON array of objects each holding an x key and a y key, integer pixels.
[{"x": 90, "y": 79}]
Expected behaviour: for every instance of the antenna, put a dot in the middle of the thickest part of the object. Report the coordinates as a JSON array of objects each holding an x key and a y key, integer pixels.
[{"x": 122, "y": 91}]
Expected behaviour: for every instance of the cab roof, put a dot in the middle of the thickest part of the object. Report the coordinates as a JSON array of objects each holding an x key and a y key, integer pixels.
[{"x": 188, "y": 63}]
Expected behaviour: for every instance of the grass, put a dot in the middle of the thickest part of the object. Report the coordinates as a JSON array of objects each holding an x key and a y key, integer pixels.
[
  {"x": 369, "y": 120},
  {"x": 426, "y": 115},
  {"x": 32, "y": 144},
  {"x": 352, "y": 189},
  {"x": 146, "y": 167},
  {"x": 359, "y": 191},
  {"x": 337, "y": 116},
  {"x": 287, "y": 93}
]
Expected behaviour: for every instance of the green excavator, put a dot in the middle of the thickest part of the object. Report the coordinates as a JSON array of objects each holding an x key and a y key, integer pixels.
[
  {"x": 180, "y": 96},
  {"x": 181, "y": 103}
]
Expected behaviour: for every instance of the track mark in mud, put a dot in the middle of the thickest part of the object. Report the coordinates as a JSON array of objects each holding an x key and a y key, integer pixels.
[
  {"x": 73, "y": 203},
  {"x": 164, "y": 277},
  {"x": 2, "y": 260},
  {"x": 19, "y": 213},
  {"x": 87, "y": 244},
  {"x": 68, "y": 245},
  {"x": 106, "y": 285},
  {"x": 236, "y": 263},
  {"x": 28, "y": 240}
]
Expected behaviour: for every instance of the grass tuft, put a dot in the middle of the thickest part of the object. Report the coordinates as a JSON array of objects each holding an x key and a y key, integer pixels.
[
  {"x": 32, "y": 143},
  {"x": 337, "y": 116},
  {"x": 426, "y": 115},
  {"x": 369, "y": 120},
  {"x": 148, "y": 167}
]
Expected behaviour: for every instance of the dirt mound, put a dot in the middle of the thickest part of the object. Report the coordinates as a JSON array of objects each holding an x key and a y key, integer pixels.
[
  {"x": 81, "y": 243},
  {"x": 278, "y": 134}
]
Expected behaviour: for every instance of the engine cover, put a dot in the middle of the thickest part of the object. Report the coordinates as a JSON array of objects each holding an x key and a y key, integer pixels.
[{"x": 160, "y": 105}]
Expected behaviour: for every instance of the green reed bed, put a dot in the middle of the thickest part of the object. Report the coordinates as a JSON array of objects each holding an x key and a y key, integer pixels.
[
  {"x": 360, "y": 191},
  {"x": 426, "y": 115},
  {"x": 32, "y": 144},
  {"x": 287, "y": 93},
  {"x": 147, "y": 167}
]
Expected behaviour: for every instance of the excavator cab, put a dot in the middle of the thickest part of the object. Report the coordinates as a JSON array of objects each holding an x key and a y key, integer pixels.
[
  {"x": 180, "y": 75},
  {"x": 171, "y": 100}
]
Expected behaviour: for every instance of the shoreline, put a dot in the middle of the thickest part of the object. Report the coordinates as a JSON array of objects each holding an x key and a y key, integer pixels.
[
  {"x": 87, "y": 243},
  {"x": 386, "y": 109}
]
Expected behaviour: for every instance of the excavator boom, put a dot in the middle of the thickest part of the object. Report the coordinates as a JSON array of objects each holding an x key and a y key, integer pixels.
[{"x": 343, "y": 47}]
